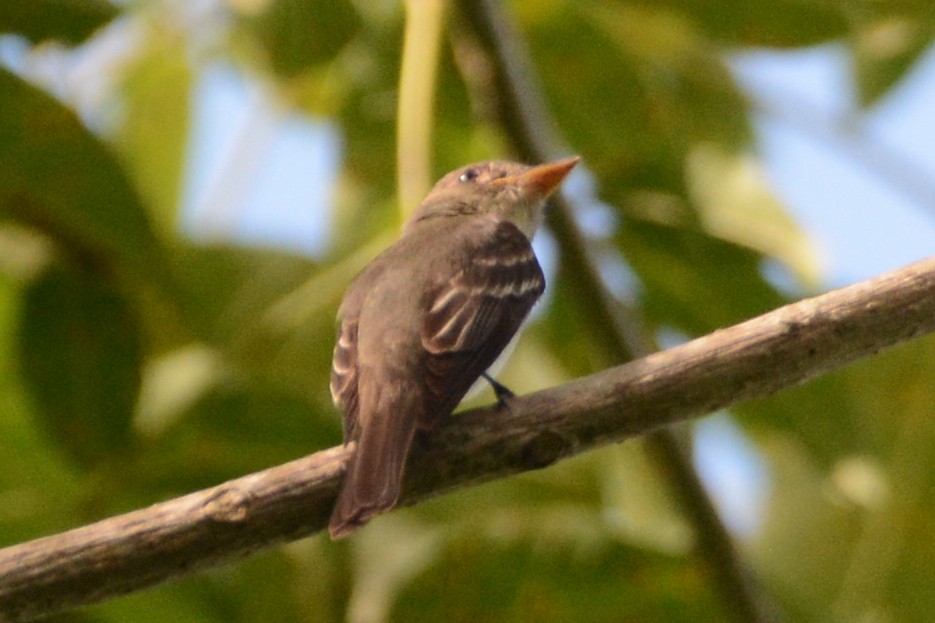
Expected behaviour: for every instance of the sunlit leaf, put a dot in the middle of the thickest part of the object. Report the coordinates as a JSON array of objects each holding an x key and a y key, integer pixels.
[
  {"x": 155, "y": 129},
  {"x": 734, "y": 203},
  {"x": 885, "y": 49}
]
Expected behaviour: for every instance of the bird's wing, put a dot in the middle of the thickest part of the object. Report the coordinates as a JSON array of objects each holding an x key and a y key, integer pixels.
[
  {"x": 344, "y": 376},
  {"x": 475, "y": 314}
]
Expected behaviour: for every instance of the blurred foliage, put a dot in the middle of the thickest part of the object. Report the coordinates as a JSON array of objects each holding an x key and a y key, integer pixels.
[
  {"x": 82, "y": 367},
  {"x": 137, "y": 364},
  {"x": 68, "y": 21}
]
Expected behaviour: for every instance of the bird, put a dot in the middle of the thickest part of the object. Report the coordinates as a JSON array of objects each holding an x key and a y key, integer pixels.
[{"x": 425, "y": 319}]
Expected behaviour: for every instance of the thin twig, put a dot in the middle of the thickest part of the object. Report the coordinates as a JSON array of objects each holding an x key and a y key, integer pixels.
[{"x": 204, "y": 529}]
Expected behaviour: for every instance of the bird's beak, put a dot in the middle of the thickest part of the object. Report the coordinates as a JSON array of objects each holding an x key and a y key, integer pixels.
[{"x": 543, "y": 179}]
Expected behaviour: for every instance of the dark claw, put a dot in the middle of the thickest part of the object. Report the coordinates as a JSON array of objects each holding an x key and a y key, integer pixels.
[{"x": 503, "y": 392}]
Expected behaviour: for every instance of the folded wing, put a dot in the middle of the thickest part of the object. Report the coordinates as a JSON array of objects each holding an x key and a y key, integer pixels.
[{"x": 473, "y": 316}]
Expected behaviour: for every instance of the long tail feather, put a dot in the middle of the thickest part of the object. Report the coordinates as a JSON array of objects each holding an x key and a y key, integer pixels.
[{"x": 374, "y": 475}]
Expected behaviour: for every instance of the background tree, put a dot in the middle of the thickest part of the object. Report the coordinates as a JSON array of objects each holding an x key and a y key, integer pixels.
[{"x": 143, "y": 359}]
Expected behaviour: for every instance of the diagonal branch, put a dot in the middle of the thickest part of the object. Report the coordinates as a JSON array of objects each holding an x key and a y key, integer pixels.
[{"x": 204, "y": 529}]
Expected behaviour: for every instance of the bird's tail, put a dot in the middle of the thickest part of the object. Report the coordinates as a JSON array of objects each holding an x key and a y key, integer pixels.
[{"x": 374, "y": 474}]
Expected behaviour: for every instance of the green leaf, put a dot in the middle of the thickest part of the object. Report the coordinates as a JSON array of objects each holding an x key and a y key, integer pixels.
[
  {"x": 296, "y": 35},
  {"x": 688, "y": 93},
  {"x": 692, "y": 281},
  {"x": 70, "y": 21},
  {"x": 37, "y": 486},
  {"x": 154, "y": 134},
  {"x": 57, "y": 177},
  {"x": 271, "y": 313},
  {"x": 774, "y": 23},
  {"x": 641, "y": 89},
  {"x": 80, "y": 352},
  {"x": 610, "y": 126}
]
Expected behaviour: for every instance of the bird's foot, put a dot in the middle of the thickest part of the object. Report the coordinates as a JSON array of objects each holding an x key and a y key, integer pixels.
[{"x": 502, "y": 392}]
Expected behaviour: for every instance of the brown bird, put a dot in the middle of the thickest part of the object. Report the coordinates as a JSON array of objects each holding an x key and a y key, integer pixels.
[{"x": 427, "y": 317}]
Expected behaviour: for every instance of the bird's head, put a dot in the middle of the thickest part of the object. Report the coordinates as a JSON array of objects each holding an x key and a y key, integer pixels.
[{"x": 508, "y": 190}]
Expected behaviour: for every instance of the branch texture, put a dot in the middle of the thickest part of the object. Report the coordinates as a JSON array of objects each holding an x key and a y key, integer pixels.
[{"x": 204, "y": 529}]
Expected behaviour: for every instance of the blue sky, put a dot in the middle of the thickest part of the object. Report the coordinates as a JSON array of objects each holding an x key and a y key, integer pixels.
[
  {"x": 256, "y": 172},
  {"x": 861, "y": 183}
]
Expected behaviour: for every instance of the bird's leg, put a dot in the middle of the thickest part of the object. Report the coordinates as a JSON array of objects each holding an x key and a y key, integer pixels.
[{"x": 503, "y": 393}]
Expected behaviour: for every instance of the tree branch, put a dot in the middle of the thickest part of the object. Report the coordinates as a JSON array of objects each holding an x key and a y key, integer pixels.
[{"x": 204, "y": 529}]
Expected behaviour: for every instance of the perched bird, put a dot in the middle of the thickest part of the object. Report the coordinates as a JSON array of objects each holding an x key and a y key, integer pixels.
[{"x": 427, "y": 317}]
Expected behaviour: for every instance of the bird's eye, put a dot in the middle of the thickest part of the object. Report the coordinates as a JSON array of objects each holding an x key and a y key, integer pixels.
[{"x": 468, "y": 176}]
